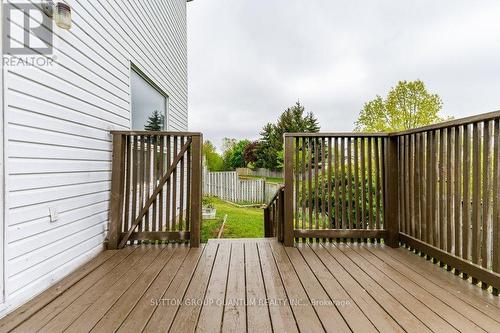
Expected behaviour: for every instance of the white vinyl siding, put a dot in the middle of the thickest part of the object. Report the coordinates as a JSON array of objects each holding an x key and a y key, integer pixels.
[{"x": 57, "y": 125}]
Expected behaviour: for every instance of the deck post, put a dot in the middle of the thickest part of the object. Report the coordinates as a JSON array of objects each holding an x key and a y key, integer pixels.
[
  {"x": 117, "y": 191},
  {"x": 196, "y": 189},
  {"x": 267, "y": 223},
  {"x": 391, "y": 191},
  {"x": 281, "y": 214},
  {"x": 288, "y": 200}
]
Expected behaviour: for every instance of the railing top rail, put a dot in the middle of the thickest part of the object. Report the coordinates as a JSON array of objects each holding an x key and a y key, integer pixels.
[
  {"x": 450, "y": 123},
  {"x": 275, "y": 196},
  {"x": 156, "y": 133},
  {"x": 339, "y": 135},
  {"x": 433, "y": 127}
]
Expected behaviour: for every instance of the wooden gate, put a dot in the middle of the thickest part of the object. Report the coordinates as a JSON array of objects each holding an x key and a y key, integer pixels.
[{"x": 156, "y": 187}]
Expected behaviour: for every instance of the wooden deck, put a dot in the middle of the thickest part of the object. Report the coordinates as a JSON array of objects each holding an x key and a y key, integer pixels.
[{"x": 259, "y": 286}]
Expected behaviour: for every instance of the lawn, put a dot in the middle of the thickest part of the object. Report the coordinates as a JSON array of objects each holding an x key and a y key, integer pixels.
[
  {"x": 268, "y": 179},
  {"x": 241, "y": 222}
]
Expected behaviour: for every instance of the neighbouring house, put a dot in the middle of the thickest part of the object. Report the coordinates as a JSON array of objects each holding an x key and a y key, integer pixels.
[{"x": 118, "y": 63}]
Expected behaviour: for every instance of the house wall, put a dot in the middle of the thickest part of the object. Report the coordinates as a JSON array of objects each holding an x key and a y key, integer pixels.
[{"x": 58, "y": 147}]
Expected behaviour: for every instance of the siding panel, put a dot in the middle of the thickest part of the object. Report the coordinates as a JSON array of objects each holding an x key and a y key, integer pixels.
[{"x": 57, "y": 127}]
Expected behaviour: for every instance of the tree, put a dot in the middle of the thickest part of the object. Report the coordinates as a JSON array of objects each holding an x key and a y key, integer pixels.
[
  {"x": 155, "y": 122},
  {"x": 233, "y": 153},
  {"x": 212, "y": 157},
  {"x": 250, "y": 153},
  {"x": 406, "y": 106},
  {"x": 293, "y": 119}
]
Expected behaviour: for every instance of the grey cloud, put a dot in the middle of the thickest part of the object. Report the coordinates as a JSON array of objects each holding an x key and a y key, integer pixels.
[{"x": 250, "y": 59}]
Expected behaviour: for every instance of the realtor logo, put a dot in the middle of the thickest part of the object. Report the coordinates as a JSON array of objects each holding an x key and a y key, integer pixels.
[{"x": 26, "y": 30}]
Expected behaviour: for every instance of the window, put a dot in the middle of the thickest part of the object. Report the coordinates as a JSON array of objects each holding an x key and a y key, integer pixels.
[{"x": 147, "y": 101}]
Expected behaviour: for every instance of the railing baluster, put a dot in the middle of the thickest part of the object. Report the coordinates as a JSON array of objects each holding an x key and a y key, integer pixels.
[
  {"x": 303, "y": 172},
  {"x": 411, "y": 181},
  {"x": 317, "y": 189},
  {"x": 296, "y": 201},
  {"x": 370, "y": 182},
  {"x": 161, "y": 224},
  {"x": 476, "y": 194},
  {"x": 496, "y": 199},
  {"x": 342, "y": 179},
  {"x": 349, "y": 184},
  {"x": 128, "y": 166},
  {"x": 323, "y": 183},
  {"x": 486, "y": 161},
  {"x": 363, "y": 184},
  {"x": 418, "y": 185},
  {"x": 442, "y": 187},
  {"x": 356, "y": 184},
  {"x": 147, "y": 177},
  {"x": 458, "y": 144},
  {"x": 449, "y": 186}
]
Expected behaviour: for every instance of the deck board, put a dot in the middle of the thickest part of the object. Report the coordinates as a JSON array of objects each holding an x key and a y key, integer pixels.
[
  {"x": 353, "y": 315},
  {"x": 419, "y": 309},
  {"x": 476, "y": 314},
  {"x": 302, "y": 308},
  {"x": 259, "y": 285},
  {"x": 235, "y": 319},
  {"x": 258, "y": 318},
  {"x": 80, "y": 304},
  {"x": 211, "y": 313},
  {"x": 163, "y": 310},
  {"x": 280, "y": 312},
  {"x": 53, "y": 294},
  {"x": 49, "y": 311},
  {"x": 390, "y": 304},
  {"x": 440, "y": 306},
  {"x": 327, "y": 312},
  {"x": 124, "y": 305}
]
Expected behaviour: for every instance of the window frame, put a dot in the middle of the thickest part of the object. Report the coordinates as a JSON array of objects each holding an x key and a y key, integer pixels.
[{"x": 134, "y": 68}]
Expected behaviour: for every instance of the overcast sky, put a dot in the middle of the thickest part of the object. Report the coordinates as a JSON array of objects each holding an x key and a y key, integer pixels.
[{"x": 251, "y": 59}]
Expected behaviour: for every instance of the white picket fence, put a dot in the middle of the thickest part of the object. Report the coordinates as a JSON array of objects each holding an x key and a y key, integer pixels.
[
  {"x": 228, "y": 186},
  {"x": 261, "y": 172}
]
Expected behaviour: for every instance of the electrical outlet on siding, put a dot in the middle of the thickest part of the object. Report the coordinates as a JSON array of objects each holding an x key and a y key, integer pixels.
[{"x": 53, "y": 214}]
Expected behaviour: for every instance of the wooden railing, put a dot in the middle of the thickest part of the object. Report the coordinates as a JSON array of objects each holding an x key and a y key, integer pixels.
[
  {"x": 274, "y": 215},
  {"x": 156, "y": 187},
  {"x": 449, "y": 195},
  {"x": 334, "y": 186},
  {"x": 434, "y": 189}
]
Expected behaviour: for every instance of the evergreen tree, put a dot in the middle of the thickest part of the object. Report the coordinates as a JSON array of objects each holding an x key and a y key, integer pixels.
[
  {"x": 155, "y": 122},
  {"x": 293, "y": 120}
]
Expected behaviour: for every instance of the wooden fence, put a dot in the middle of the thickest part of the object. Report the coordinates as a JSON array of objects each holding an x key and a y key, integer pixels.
[
  {"x": 228, "y": 186},
  {"x": 261, "y": 172},
  {"x": 434, "y": 189},
  {"x": 155, "y": 187}
]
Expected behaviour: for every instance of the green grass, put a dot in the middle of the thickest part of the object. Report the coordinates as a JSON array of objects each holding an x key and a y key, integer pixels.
[
  {"x": 210, "y": 229},
  {"x": 241, "y": 222},
  {"x": 268, "y": 179}
]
